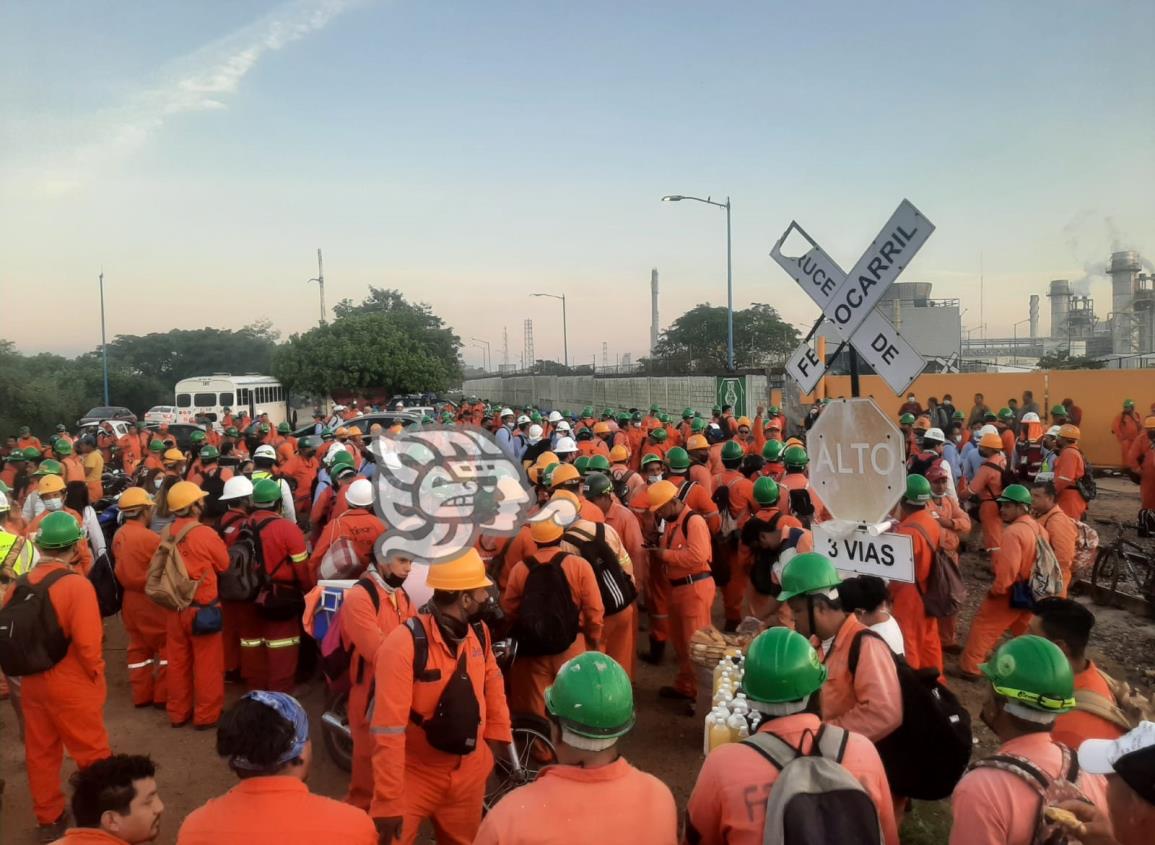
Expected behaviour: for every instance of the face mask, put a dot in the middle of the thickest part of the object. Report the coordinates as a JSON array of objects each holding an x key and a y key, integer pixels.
[
  {"x": 158, "y": 481},
  {"x": 654, "y": 479},
  {"x": 53, "y": 504},
  {"x": 393, "y": 581}
]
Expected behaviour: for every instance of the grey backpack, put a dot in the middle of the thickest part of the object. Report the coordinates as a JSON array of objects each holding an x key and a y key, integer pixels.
[{"x": 815, "y": 800}]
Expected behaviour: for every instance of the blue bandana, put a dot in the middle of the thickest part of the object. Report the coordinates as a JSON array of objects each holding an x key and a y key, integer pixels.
[{"x": 289, "y": 709}]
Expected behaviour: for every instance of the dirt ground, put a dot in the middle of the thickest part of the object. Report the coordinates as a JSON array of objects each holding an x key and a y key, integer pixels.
[{"x": 665, "y": 742}]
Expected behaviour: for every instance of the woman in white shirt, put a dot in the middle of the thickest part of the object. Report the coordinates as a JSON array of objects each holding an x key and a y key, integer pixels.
[
  {"x": 867, "y": 598},
  {"x": 76, "y": 497}
]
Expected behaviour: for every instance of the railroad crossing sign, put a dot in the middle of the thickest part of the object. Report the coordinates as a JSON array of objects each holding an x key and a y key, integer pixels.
[
  {"x": 857, "y": 460},
  {"x": 848, "y": 300}
]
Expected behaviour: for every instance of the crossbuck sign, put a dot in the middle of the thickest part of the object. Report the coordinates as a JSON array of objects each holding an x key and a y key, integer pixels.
[{"x": 848, "y": 300}]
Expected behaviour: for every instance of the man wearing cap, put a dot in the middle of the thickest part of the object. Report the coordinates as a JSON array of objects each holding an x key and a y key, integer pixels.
[
  {"x": 1012, "y": 562},
  {"x": 505, "y": 436},
  {"x": 919, "y": 631},
  {"x": 63, "y": 707},
  {"x": 416, "y": 775},
  {"x": 997, "y": 800},
  {"x": 591, "y": 708},
  {"x": 955, "y": 523},
  {"x": 987, "y": 486},
  {"x": 145, "y": 621},
  {"x": 1069, "y": 469}
]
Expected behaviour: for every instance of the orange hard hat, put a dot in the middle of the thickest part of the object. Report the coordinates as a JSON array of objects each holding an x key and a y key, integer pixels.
[
  {"x": 341, "y": 431},
  {"x": 173, "y": 456},
  {"x": 1149, "y": 423},
  {"x": 743, "y": 421},
  {"x": 532, "y": 473},
  {"x": 545, "y": 459},
  {"x": 991, "y": 441},
  {"x": 354, "y": 431},
  {"x": 1069, "y": 432},
  {"x": 620, "y": 454},
  {"x": 563, "y": 474},
  {"x": 464, "y": 572},
  {"x": 545, "y": 531},
  {"x": 50, "y": 484},
  {"x": 134, "y": 497},
  {"x": 183, "y": 494},
  {"x": 794, "y": 441},
  {"x": 772, "y": 424},
  {"x": 697, "y": 441},
  {"x": 661, "y": 493},
  {"x": 601, "y": 428},
  {"x": 922, "y": 422}
]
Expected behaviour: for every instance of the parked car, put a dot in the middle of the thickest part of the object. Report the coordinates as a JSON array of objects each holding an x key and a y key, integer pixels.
[
  {"x": 160, "y": 414},
  {"x": 120, "y": 427},
  {"x": 106, "y": 412}
]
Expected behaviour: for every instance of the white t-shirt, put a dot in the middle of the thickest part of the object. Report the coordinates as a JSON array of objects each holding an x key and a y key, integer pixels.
[{"x": 890, "y": 632}]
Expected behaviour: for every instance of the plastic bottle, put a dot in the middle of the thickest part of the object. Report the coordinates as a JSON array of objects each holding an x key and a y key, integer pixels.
[
  {"x": 719, "y": 731},
  {"x": 736, "y": 724},
  {"x": 740, "y": 705}
]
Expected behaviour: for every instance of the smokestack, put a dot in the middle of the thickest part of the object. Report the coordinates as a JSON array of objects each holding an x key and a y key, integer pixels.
[
  {"x": 1123, "y": 269},
  {"x": 1034, "y": 315},
  {"x": 1060, "y": 296},
  {"x": 653, "y": 310}
]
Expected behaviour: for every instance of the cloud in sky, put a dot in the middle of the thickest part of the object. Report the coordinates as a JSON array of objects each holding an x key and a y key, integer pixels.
[{"x": 204, "y": 80}]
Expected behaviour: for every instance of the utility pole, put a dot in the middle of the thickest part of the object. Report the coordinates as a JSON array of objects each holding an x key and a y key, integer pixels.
[
  {"x": 505, "y": 347},
  {"x": 103, "y": 337},
  {"x": 320, "y": 280}
]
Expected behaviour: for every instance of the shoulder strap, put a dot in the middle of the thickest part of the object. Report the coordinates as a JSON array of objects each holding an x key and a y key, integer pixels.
[
  {"x": 368, "y": 586},
  {"x": 856, "y": 647},
  {"x": 48, "y": 580},
  {"x": 184, "y": 532},
  {"x": 772, "y": 747},
  {"x": 600, "y": 532},
  {"x": 831, "y": 742},
  {"x": 684, "y": 490},
  {"x": 1019, "y": 766},
  {"x": 420, "y": 648},
  {"x": 557, "y": 559}
]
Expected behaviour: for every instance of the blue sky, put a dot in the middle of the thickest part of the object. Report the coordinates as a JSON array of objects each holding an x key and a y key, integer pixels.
[{"x": 470, "y": 153}]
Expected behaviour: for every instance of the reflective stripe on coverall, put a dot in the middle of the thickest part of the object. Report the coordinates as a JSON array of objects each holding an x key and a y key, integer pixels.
[
  {"x": 145, "y": 621},
  {"x": 687, "y": 555}
]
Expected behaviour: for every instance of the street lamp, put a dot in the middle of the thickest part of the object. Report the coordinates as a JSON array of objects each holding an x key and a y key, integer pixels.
[
  {"x": 488, "y": 360},
  {"x": 103, "y": 338},
  {"x": 729, "y": 272},
  {"x": 564, "y": 329},
  {"x": 1015, "y": 329},
  {"x": 320, "y": 280}
]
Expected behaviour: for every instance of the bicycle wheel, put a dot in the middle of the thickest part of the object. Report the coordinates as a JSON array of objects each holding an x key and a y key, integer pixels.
[
  {"x": 535, "y": 751},
  {"x": 335, "y": 731}
]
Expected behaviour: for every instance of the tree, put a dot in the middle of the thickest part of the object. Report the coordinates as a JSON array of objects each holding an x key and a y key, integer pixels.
[
  {"x": 1064, "y": 361},
  {"x": 385, "y": 343},
  {"x": 170, "y": 356},
  {"x": 696, "y": 341}
]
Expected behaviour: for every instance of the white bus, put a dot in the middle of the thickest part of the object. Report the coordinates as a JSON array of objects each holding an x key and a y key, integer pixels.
[{"x": 212, "y": 394}]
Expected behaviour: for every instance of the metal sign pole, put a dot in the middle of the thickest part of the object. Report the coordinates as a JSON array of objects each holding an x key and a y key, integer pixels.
[{"x": 853, "y": 371}]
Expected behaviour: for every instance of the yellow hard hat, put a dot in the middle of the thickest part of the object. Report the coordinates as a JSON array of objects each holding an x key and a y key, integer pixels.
[
  {"x": 620, "y": 454},
  {"x": 697, "y": 441},
  {"x": 184, "y": 494},
  {"x": 991, "y": 441},
  {"x": 134, "y": 497},
  {"x": 793, "y": 441},
  {"x": 354, "y": 431},
  {"x": 1149, "y": 423},
  {"x": 743, "y": 421},
  {"x": 545, "y": 531},
  {"x": 601, "y": 428},
  {"x": 545, "y": 459},
  {"x": 1069, "y": 432},
  {"x": 341, "y": 431},
  {"x": 464, "y": 572},
  {"x": 533, "y": 472},
  {"x": 569, "y": 495},
  {"x": 173, "y": 456},
  {"x": 50, "y": 484},
  {"x": 661, "y": 493},
  {"x": 563, "y": 474}
]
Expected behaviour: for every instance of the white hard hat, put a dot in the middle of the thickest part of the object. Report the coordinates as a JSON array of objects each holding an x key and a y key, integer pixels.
[
  {"x": 988, "y": 429},
  {"x": 4, "y": 506},
  {"x": 237, "y": 487},
  {"x": 535, "y": 432},
  {"x": 554, "y": 416},
  {"x": 522, "y": 420},
  {"x": 564, "y": 446},
  {"x": 1031, "y": 416},
  {"x": 334, "y": 450},
  {"x": 265, "y": 451},
  {"x": 563, "y": 426},
  {"x": 506, "y": 412},
  {"x": 338, "y": 407},
  {"x": 934, "y": 434},
  {"x": 360, "y": 493},
  {"x": 1053, "y": 431}
]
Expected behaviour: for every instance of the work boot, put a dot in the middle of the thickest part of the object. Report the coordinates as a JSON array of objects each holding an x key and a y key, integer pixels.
[
  {"x": 52, "y": 831},
  {"x": 953, "y": 648},
  {"x": 655, "y": 654}
]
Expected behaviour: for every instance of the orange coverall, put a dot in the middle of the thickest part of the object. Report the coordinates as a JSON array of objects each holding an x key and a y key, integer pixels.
[
  {"x": 359, "y": 529},
  {"x": 628, "y": 805},
  {"x": 238, "y": 615},
  {"x": 685, "y": 559},
  {"x": 920, "y": 639},
  {"x": 629, "y": 529},
  {"x": 1064, "y": 534},
  {"x": 987, "y": 486},
  {"x": 73, "y": 468},
  {"x": 955, "y": 522},
  {"x": 531, "y": 675},
  {"x": 303, "y": 472},
  {"x": 1126, "y": 427},
  {"x": 145, "y": 621},
  {"x": 1069, "y": 468},
  {"x": 365, "y": 629},
  {"x": 741, "y": 492},
  {"x": 64, "y": 706},
  {"x": 83, "y": 550},
  {"x": 1013, "y": 562},
  {"x": 411, "y": 779},
  {"x": 1142, "y": 461},
  {"x": 196, "y": 674},
  {"x": 1075, "y": 726},
  {"x": 869, "y": 702},
  {"x": 728, "y": 804},
  {"x": 270, "y": 647},
  {"x": 277, "y": 808},
  {"x": 129, "y": 446}
]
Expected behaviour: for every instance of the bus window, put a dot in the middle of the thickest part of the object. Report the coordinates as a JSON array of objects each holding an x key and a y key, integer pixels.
[
  {"x": 226, "y": 400},
  {"x": 205, "y": 400},
  {"x": 184, "y": 400}
]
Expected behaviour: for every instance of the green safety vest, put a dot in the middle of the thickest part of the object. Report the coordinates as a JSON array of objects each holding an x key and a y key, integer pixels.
[{"x": 16, "y": 554}]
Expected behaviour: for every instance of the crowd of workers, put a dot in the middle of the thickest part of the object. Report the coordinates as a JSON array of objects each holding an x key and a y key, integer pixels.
[{"x": 671, "y": 513}]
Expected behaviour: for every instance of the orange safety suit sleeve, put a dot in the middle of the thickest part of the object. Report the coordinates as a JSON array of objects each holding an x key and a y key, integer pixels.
[
  {"x": 393, "y": 675},
  {"x": 691, "y": 556},
  {"x": 79, "y": 615},
  {"x": 877, "y": 712},
  {"x": 1012, "y": 556},
  {"x": 954, "y": 517},
  {"x": 1068, "y": 468},
  {"x": 359, "y": 623},
  {"x": 584, "y": 585},
  {"x": 987, "y": 483},
  {"x": 320, "y": 510},
  {"x": 514, "y": 587}
]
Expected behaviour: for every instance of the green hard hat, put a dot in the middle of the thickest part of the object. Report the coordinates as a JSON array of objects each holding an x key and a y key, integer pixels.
[
  {"x": 309, "y": 441},
  {"x": 265, "y": 428},
  {"x": 58, "y": 531},
  {"x": 266, "y": 492},
  {"x": 808, "y": 573},
  {"x": 1128, "y": 404},
  {"x": 624, "y": 417},
  {"x": 49, "y": 467},
  {"x": 732, "y": 451},
  {"x": 659, "y": 435},
  {"x": 1059, "y": 411},
  {"x": 592, "y": 697},
  {"x": 448, "y": 417},
  {"x": 341, "y": 458},
  {"x": 607, "y": 413},
  {"x": 17, "y": 456},
  {"x": 283, "y": 428},
  {"x": 141, "y": 425},
  {"x": 906, "y": 419},
  {"x": 1006, "y": 414},
  {"x": 427, "y": 420},
  {"x": 31, "y": 453},
  {"x": 599, "y": 463},
  {"x": 663, "y": 418},
  {"x": 774, "y": 410},
  {"x": 597, "y": 484},
  {"x": 1016, "y": 493},
  {"x": 588, "y": 411},
  {"x": 781, "y": 666},
  {"x": 717, "y": 409},
  {"x": 698, "y": 425},
  {"x": 546, "y": 477},
  {"x": 958, "y": 415},
  {"x": 687, "y": 413},
  {"x": 636, "y": 416},
  {"x": 772, "y": 451},
  {"x": 535, "y": 417},
  {"x": 651, "y": 459},
  {"x": 918, "y": 490},
  {"x": 197, "y": 437},
  {"x": 63, "y": 427},
  {"x": 583, "y": 464},
  {"x": 209, "y": 453},
  {"x": 766, "y": 491},
  {"x": 62, "y": 447},
  {"x": 654, "y": 409},
  {"x": 231, "y": 431},
  {"x": 156, "y": 446},
  {"x": 1033, "y": 672},
  {"x": 795, "y": 456},
  {"x": 678, "y": 459}
]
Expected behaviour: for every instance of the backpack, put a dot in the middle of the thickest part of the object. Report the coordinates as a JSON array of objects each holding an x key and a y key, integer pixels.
[
  {"x": 802, "y": 506},
  {"x": 622, "y": 485},
  {"x": 617, "y": 588},
  {"x": 945, "y": 589},
  {"x": 453, "y": 726},
  {"x": 721, "y": 497},
  {"x": 1007, "y": 476},
  {"x": 1085, "y": 484},
  {"x": 926, "y": 755},
  {"x": 336, "y": 657},
  {"x": 109, "y": 593},
  {"x": 1051, "y": 791},
  {"x": 815, "y": 800},
  {"x": 214, "y": 487},
  {"x": 1046, "y": 578},
  {"x": 246, "y": 574},
  {"x": 548, "y": 620},
  {"x": 921, "y": 466},
  {"x": 31, "y": 639},
  {"x": 169, "y": 584}
]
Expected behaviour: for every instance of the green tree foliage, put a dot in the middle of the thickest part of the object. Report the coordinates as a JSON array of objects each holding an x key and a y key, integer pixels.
[
  {"x": 385, "y": 343},
  {"x": 1064, "y": 361},
  {"x": 696, "y": 342}
]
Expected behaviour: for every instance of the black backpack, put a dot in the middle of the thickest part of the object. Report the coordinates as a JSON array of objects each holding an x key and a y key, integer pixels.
[
  {"x": 214, "y": 487},
  {"x": 802, "y": 506},
  {"x": 1007, "y": 475},
  {"x": 1085, "y": 484},
  {"x": 622, "y": 485},
  {"x": 920, "y": 465},
  {"x": 926, "y": 755},
  {"x": 617, "y": 588},
  {"x": 109, "y": 593},
  {"x": 31, "y": 639},
  {"x": 453, "y": 726},
  {"x": 246, "y": 574},
  {"x": 548, "y": 621}
]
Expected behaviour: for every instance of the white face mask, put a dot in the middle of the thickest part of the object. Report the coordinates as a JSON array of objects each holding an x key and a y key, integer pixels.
[
  {"x": 654, "y": 479},
  {"x": 53, "y": 504},
  {"x": 158, "y": 481}
]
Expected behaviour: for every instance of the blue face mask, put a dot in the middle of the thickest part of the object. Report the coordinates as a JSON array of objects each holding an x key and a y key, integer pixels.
[{"x": 53, "y": 504}]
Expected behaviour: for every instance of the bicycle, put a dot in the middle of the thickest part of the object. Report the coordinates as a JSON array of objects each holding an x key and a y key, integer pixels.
[{"x": 1124, "y": 573}]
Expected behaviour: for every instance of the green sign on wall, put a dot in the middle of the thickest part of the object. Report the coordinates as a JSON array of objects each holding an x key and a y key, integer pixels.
[{"x": 732, "y": 391}]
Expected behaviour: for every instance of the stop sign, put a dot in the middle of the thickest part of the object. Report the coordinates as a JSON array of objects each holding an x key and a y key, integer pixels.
[{"x": 857, "y": 460}]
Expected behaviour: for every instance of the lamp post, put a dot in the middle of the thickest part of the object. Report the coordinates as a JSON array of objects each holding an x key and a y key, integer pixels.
[
  {"x": 564, "y": 329},
  {"x": 729, "y": 272},
  {"x": 320, "y": 280},
  {"x": 1015, "y": 329},
  {"x": 488, "y": 360},
  {"x": 103, "y": 339}
]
